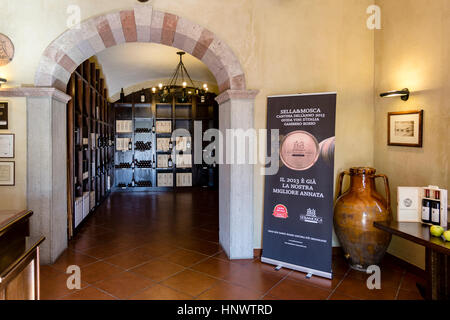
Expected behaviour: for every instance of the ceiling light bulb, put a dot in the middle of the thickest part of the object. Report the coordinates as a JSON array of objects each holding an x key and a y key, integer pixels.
[
  {"x": 205, "y": 86},
  {"x": 153, "y": 89},
  {"x": 184, "y": 84},
  {"x": 160, "y": 86}
]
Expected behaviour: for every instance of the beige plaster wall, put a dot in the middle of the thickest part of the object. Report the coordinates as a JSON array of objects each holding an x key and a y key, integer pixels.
[
  {"x": 284, "y": 46},
  {"x": 14, "y": 197},
  {"x": 412, "y": 50}
]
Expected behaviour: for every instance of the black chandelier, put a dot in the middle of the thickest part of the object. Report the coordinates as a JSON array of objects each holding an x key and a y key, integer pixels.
[{"x": 185, "y": 90}]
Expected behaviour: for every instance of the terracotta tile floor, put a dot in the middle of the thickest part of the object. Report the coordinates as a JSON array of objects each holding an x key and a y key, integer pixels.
[{"x": 165, "y": 246}]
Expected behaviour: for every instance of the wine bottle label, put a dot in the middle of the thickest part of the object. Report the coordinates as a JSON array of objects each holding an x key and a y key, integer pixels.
[
  {"x": 435, "y": 215},
  {"x": 425, "y": 213}
]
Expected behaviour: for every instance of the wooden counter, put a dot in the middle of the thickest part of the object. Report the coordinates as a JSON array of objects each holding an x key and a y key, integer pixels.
[
  {"x": 19, "y": 257},
  {"x": 437, "y": 261}
]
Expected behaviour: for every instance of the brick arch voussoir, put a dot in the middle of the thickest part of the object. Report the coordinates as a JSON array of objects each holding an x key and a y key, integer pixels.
[{"x": 141, "y": 24}]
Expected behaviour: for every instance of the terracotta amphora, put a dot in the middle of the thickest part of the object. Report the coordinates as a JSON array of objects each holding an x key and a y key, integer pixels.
[{"x": 355, "y": 212}]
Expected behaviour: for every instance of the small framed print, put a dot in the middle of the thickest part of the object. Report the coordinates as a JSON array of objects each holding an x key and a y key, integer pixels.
[
  {"x": 7, "y": 173},
  {"x": 405, "y": 129},
  {"x": 6, "y": 145}
]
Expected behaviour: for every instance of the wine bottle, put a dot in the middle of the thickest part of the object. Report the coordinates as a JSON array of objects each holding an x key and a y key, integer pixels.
[
  {"x": 122, "y": 95},
  {"x": 426, "y": 211},
  {"x": 170, "y": 162},
  {"x": 130, "y": 145},
  {"x": 153, "y": 126},
  {"x": 154, "y": 162},
  {"x": 133, "y": 182},
  {"x": 436, "y": 212},
  {"x": 170, "y": 144},
  {"x": 143, "y": 96}
]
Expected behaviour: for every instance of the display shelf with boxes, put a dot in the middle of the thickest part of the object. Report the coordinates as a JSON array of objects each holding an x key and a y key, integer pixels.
[
  {"x": 147, "y": 156},
  {"x": 90, "y": 143}
]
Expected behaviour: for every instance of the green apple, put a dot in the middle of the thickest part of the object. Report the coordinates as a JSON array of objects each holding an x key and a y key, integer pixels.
[
  {"x": 436, "y": 231},
  {"x": 447, "y": 235}
]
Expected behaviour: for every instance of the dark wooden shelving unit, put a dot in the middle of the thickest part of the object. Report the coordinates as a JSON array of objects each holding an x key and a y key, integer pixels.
[
  {"x": 144, "y": 109},
  {"x": 90, "y": 144}
]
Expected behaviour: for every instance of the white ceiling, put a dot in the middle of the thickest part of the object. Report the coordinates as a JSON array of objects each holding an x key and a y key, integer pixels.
[{"x": 129, "y": 64}]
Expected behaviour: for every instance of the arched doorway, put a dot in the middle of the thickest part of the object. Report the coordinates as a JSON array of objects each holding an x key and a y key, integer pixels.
[{"x": 144, "y": 24}]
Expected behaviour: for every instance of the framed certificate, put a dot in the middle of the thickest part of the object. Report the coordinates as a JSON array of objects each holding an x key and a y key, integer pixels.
[
  {"x": 7, "y": 173},
  {"x": 6, "y": 145}
]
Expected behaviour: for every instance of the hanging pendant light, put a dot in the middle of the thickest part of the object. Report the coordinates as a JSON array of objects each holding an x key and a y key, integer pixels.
[{"x": 184, "y": 91}]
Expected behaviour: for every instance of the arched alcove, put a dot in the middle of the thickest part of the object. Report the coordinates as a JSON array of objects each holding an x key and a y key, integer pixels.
[{"x": 141, "y": 24}]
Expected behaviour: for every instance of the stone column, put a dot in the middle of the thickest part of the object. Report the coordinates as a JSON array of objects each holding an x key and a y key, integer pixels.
[
  {"x": 47, "y": 169},
  {"x": 236, "y": 111}
]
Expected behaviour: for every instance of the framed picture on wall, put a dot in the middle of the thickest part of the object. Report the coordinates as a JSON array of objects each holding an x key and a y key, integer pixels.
[
  {"x": 405, "y": 129},
  {"x": 4, "y": 115},
  {"x": 7, "y": 173},
  {"x": 6, "y": 145}
]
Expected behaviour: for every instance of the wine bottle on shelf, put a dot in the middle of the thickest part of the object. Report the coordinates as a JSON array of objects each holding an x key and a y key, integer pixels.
[
  {"x": 169, "y": 161},
  {"x": 133, "y": 182},
  {"x": 122, "y": 95},
  {"x": 153, "y": 126},
  {"x": 154, "y": 162},
  {"x": 143, "y": 96},
  {"x": 130, "y": 145},
  {"x": 170, "y": 144},
  {"x": 132, "y": 163},
  {"x": 78, "y": 190}
]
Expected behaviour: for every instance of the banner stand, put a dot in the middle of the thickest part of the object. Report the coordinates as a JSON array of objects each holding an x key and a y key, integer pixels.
[
  {"x": 327, "y": 275},
  {"x": 298, "y": 198}
]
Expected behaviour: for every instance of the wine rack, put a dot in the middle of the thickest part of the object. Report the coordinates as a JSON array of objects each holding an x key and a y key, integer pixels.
[
  {"x": 90, "y": 143},
  {"x": 151, "y": 160}
]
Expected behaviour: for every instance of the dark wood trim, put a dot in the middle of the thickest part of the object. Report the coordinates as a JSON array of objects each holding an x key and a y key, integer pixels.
[
  {"x": 418, "y": 145},
  {"x": 423, "y": 242}
]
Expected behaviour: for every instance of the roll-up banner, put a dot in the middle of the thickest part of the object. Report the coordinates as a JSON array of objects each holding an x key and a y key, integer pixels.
[{"x": 298, "y": 200}]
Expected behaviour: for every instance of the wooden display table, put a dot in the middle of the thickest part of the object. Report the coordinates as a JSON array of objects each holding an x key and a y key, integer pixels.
[
  {"x": 437, "y": 261},
  {"x": 19, "y": 257}
]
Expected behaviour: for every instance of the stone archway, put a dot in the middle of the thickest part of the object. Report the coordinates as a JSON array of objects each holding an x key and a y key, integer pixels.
[{"x": 142, "y": 24}]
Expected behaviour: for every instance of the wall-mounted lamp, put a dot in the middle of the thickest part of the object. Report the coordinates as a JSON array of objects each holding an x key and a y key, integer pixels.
[
  {"x": 2, "y": 80},
  {"x": 403, "y": 94}
]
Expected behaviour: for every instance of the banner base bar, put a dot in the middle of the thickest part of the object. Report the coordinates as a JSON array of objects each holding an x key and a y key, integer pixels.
[{"x": 277, "y": 263}]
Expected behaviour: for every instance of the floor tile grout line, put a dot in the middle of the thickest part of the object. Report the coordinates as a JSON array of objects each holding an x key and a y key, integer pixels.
[
  {"x": 281, "y": 280},
  {"x": 339, "y": 283},
  {"x": 400, "y": 285}
]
